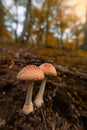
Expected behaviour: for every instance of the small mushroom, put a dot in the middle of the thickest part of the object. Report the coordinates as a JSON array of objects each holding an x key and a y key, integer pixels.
[
  {"x": 48, "y": 69},
  {"x": 31, "y": 73}
]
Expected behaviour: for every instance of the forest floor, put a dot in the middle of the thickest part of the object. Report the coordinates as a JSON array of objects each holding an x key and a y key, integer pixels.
[{"x": 65, "y": 97}]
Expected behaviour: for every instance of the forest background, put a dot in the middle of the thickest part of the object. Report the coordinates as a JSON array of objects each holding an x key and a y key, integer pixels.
[{"x": 44, "y": 23}]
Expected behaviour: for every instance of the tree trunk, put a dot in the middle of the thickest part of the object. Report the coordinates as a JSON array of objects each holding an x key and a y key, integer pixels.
[
  {"x": 47, "y": 26},
  {"x": 26, "y": 30},
  {"x": 61, "y": 39},
  {"x": 84, "y": 45},
  {"x": 40, "y": 37},
  {"x": 16, "y": 20},
  {"x": 77, "y": 41}
]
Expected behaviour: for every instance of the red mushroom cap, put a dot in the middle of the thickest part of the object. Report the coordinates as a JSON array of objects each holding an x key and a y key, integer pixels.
[
  {"x": 31, "y": 72},
  {"x": 48, "y": 69}
]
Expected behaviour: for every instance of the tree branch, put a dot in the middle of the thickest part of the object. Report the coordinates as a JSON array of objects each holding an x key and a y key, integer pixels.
[{"x": 68, "y": 72}]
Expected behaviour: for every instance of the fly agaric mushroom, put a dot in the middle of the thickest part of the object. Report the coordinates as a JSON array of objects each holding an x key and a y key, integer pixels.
[
  {"x": 31, "y": 73},
  {"x": 48, "y": 69}
]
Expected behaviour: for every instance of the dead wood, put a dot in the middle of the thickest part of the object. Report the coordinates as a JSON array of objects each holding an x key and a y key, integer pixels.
[{"x": 70, "y": 73}]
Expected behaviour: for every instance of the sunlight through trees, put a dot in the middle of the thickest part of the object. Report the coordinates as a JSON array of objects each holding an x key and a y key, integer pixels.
[{"x": 41, "y": 23}]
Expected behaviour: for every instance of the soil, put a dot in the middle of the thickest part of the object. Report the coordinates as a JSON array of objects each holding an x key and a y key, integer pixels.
[{"x": 65, "y": 98}]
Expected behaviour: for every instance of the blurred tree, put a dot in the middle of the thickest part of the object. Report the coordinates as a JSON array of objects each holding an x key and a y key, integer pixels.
[
  {"x": 2, "y": 22},
  {"x": 60, "y": 21},
  {"x": 45, "y": 22},
  {"x": 50, "y": 20},
  {"x": 16, "y": 19},
  {"x": 76, "y": 29},
  {"x": 5, "y": 35},
  {"x": 42, "y": 19},
  {"x": 27, "y": 23},
  {"x": 84, "y": 45}
]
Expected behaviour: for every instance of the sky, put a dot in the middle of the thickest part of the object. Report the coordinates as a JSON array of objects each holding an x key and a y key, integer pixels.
[{"x": 81, "y": 7}]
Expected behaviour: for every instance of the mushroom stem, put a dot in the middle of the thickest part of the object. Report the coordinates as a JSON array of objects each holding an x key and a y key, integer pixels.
[
  {"x": 42, "y": 87},
  {"x": 39, "y": 98},
  {"x": 29, "y": 94},
  {"x": 28, "y": 106}
]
